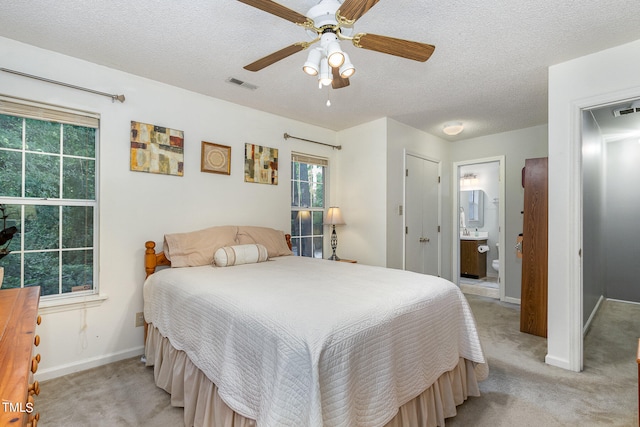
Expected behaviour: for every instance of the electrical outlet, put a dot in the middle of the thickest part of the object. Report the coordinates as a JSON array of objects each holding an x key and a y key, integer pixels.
[{"x": 139, "y": 319}]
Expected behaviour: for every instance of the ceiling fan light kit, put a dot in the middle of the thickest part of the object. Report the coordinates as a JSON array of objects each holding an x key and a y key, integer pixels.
[
  {"x": 328, "y": 22},
  {"x": 312, "y": 66},
  {"x": 325, "y": 78},
  {"x": 347, "y": 69},
  {"x": 334, "y": 54}
]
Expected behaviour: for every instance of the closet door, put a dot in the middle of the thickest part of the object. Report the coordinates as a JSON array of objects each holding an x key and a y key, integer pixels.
[
  {"x": 422, "y": 247},
  {"x": 533, "y": 309}
]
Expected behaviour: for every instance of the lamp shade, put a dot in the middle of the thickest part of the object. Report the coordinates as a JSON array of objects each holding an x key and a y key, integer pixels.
[{"x": 334, "y": 217}]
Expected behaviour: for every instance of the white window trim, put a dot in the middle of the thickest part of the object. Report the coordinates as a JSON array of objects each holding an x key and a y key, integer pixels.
[
  {"x": 66, "y": 302},
  {"x": 318, "y": 161},
  {"x": 57, "y": 304}
]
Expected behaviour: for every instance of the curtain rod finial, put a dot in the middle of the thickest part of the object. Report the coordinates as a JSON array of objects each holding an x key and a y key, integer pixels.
[{"x": 118, "y": 98}]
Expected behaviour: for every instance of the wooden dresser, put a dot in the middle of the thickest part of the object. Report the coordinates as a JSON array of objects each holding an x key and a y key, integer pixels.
[{"x": 18, "y": 320}]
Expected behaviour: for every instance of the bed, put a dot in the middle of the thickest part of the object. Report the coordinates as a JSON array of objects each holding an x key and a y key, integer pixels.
[{"x": 242, "y": 333}]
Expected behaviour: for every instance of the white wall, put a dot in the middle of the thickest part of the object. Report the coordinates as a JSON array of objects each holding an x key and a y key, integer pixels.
[
  {"x": 135, "y": 206},
  {"x": 362, "y": 193},
  {"x": 371, "y": 185},
  {"x": 516, "y": 146},
  {"x": 401, "y": 138},
  {"x": 603, "y": 77},
  {"x": 621, "y": 250},
  {"x": 593, "y": 202}
]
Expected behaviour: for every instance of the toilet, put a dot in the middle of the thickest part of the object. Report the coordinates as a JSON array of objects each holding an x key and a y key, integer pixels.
[{"x": 495, "y": 264}]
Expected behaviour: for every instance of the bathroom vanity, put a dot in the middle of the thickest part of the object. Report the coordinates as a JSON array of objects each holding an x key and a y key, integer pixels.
[{"x": 473, "y": 263}]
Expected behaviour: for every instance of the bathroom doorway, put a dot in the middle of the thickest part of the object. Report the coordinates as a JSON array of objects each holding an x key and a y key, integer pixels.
[{"x": 478, "y": 226}]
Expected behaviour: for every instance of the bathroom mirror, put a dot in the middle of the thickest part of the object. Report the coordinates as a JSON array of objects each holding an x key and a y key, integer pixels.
[{"x": 473, "y": 204}]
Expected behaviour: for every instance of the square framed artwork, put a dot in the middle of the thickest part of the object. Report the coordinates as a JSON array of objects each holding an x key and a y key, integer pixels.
[
  {"x": 260, "y": 164},
  {"x": 156, "y": 149},
  {"x": 216, "y": 158}
]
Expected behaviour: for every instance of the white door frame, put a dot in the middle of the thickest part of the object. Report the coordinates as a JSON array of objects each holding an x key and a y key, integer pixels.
[
  {"x": 404, "y": 203},
  {"x": 575, "y": 307},
  {"x": 455, "y": 256}
]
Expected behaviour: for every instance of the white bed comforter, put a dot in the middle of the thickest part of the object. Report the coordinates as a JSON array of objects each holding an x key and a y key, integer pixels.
[{"x": 306, "y": 342}]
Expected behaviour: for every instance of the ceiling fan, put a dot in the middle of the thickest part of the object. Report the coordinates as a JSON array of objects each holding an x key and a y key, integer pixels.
[{"x": 328, "y": 22}]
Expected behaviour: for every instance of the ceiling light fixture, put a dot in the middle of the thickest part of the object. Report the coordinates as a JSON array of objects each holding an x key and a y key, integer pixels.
[
  {"x": 328, "y": 23},
  {"x": 347, "y": 69},
  {"x": 468, "y": 181},
  {"x": 312, "y": 66},
  {"x": 327, "y": 56},
  {"x": 325, "y": 77},
  {"x": 335, "y": 56},
  {"x": 453, "y": 128}
]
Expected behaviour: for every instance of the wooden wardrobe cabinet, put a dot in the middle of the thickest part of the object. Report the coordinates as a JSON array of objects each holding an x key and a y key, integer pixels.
[
  {"x": 18, "y": 320},
  {"x": 533, "y": 302}
]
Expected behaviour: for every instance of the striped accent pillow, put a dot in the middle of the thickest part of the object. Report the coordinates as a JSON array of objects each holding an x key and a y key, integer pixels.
[{"x": 227, "y": 256}]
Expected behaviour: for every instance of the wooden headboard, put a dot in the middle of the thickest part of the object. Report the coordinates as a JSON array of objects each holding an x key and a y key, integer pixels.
[{"x": 153, "y": 260}]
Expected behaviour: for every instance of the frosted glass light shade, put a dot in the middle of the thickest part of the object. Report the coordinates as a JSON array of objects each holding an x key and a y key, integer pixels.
[{"x": 453, "y": 128}]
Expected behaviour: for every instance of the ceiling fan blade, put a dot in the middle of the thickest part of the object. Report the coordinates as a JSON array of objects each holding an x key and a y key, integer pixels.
[
  {"x": 275, "y": 57},
  {"x": 351, "y": 10},
  {"x": 338, "y": 81},
  {"x": 398, "y": 47},
  {"x": 278, "y": 10}
]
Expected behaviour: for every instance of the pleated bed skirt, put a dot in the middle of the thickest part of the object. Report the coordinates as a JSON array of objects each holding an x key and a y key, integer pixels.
[{"x": 190, "y": 388}]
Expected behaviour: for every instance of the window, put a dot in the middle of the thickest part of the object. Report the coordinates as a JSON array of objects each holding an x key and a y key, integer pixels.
[
  {"x": 48, "y": 192},
  {"x": 307, "y": 204}
]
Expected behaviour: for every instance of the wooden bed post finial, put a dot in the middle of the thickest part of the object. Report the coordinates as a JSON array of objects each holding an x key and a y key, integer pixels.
[
  {"x": 152, "y": 260},
  {"x": 150, "y": 257}
]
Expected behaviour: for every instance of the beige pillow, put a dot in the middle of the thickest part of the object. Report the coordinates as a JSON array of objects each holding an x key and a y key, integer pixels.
[
  {"x": 227, "y": 256},
  {"x": 196, "y": 248},
  {"x": 272, "y": 239}
]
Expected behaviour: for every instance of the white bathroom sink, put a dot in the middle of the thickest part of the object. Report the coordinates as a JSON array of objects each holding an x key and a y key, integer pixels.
[{"x": 475, "y": 235}]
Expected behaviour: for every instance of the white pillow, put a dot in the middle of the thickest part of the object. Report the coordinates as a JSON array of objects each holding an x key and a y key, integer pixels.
[{"x": 227, "y": 256}]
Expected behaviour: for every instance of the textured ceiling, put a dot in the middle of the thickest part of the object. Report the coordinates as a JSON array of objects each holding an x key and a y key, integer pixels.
[{"x": 489, "y": 69}]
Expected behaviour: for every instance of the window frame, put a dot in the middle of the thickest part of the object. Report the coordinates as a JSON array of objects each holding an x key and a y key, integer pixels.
[
  {"x": 26, "y": 109},
  {"x": 316, "y": 161}
]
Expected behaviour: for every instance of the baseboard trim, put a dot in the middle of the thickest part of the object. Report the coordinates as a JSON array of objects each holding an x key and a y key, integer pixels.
[
  {"x": 587, "y": 325},
  {"x": 555, "y": 361},
  {"x": 621, "y": 300},
  {"x": 94, "y": 362},
  {"x": 512, "y": 300}
]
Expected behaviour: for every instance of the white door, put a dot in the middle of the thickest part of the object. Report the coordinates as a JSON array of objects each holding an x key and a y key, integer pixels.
[{"x": 422, "y": 205}]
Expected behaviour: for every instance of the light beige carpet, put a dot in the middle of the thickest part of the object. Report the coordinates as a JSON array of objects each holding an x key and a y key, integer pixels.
[{"x": 521, "y": 389}]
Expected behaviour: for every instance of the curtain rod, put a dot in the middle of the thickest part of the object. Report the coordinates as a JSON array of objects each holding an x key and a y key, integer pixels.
[
  {"x": 337, "y": 147},
  {"x": 113, "y": 97}
]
